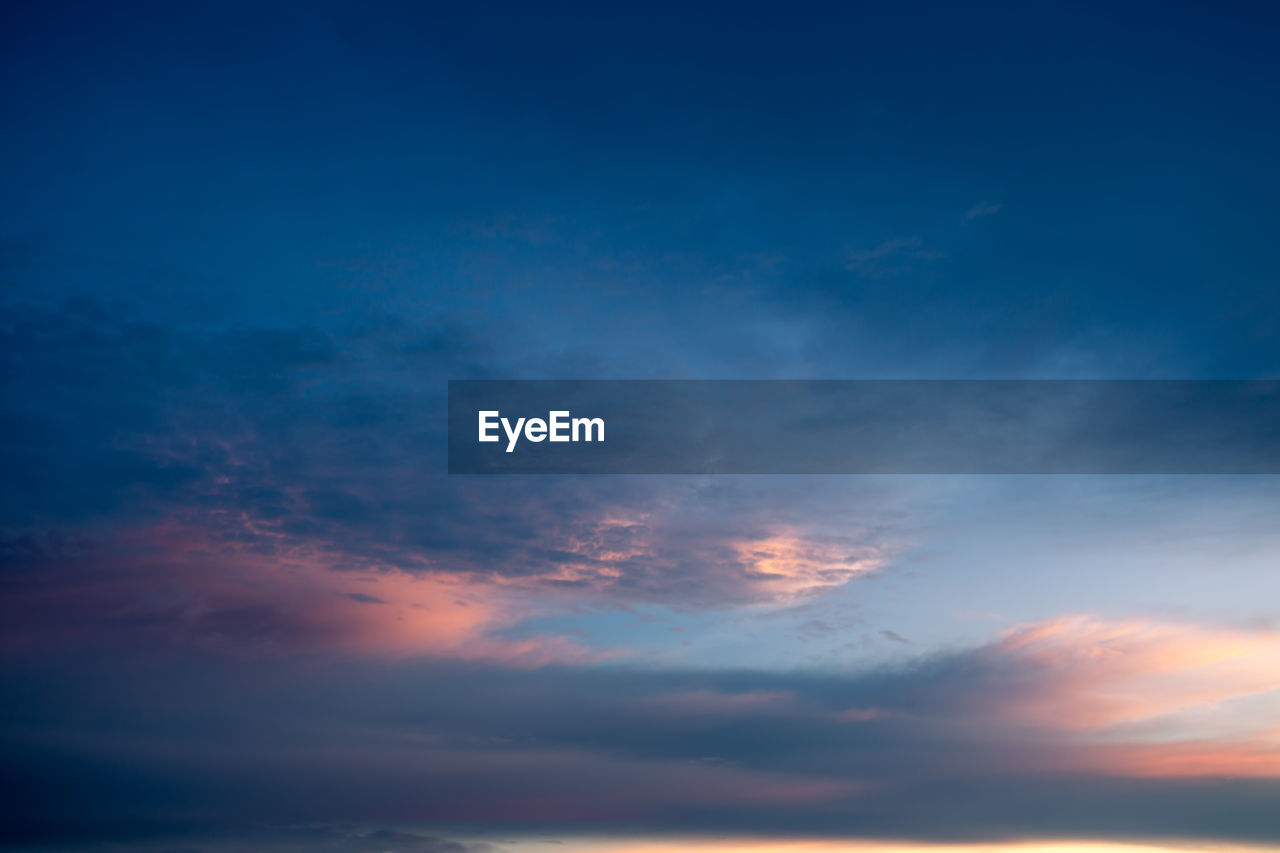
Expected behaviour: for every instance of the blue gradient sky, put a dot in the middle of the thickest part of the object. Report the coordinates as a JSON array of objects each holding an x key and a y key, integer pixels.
[{"x": 243, "y": 246}]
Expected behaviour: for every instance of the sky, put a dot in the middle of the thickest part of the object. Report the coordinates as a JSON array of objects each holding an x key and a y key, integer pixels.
[{"x": 243, "y": 247}]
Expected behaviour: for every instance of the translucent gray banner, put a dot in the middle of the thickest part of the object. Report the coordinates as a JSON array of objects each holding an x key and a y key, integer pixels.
[{"x": 864, "y": 427}]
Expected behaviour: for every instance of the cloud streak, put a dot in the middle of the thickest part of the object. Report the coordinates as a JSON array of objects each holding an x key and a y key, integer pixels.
[{"x": 1033, "y": 733}]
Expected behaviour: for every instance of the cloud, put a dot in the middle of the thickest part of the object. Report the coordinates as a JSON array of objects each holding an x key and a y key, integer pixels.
[
  {"x": 279, "y": 441},
  {"x": 362, "y": 598},
  {"x": 981, "y": 209},
  {"x": 314, "y": 838},
  {"x": 259, "y": 489},
  {"x": 179, "y": 589},
  {"x": 891, "y": 258},
  {"x": 1137, "y": 675},
  {"x": 1075, "y": 727}
]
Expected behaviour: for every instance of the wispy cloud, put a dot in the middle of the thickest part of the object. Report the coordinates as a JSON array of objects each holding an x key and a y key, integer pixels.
[
  {"x": 891, "y": 258},
  {"x": 981, "y": 209},
  {"x": 894, "y": 636}
]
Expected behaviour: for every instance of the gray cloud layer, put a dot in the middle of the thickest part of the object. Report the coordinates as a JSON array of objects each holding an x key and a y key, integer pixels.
[{"x": 922, "y": 750}]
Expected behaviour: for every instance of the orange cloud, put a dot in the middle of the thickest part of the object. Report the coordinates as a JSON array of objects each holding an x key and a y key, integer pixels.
[
  {"x": 1107, "y": 674},
  {"x": 791, "y": 565},
  {"x": 1151, "y": 698},
  {"x": 779, "y": 566}
]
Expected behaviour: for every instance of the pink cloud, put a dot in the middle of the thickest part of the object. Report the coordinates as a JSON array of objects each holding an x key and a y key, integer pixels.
[
  {"x": 1108, "y": 674},
  {"x": 173, "y": 585},
  {"x": 1146, "y": 698}
]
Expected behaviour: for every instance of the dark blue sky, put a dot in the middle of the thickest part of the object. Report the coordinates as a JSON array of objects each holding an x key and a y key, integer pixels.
[
  {"x": 1050, "y": 187},
  {"x": 243, "y": 246}
]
